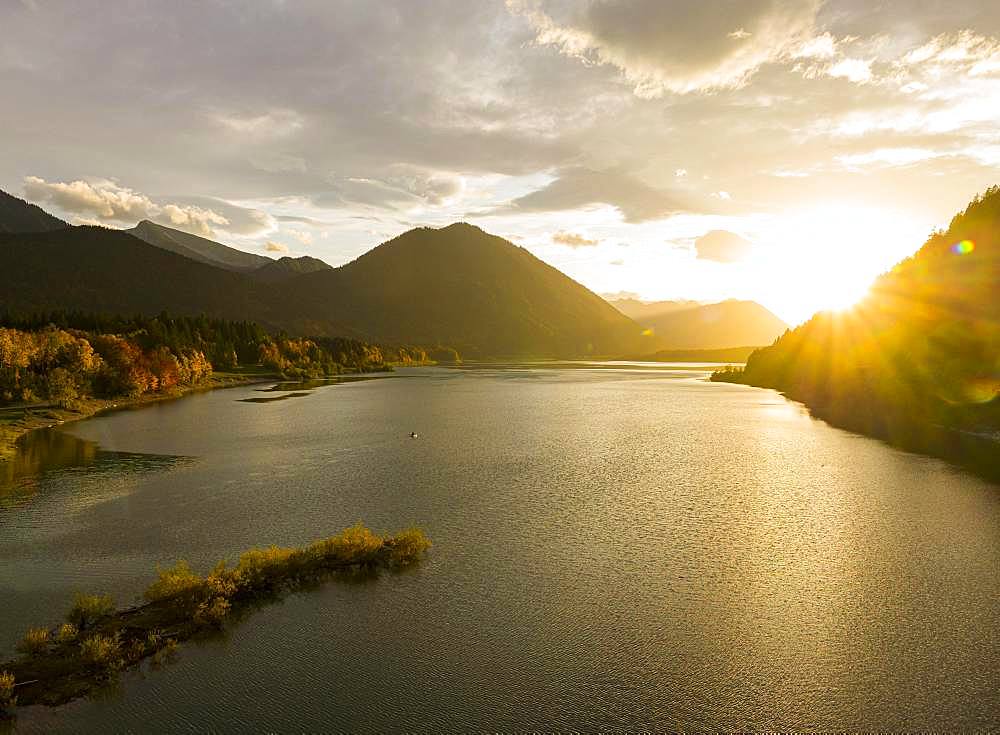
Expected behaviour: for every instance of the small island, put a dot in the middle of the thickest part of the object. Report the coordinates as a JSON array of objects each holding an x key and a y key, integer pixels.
[{"x": 58, "y": 665}]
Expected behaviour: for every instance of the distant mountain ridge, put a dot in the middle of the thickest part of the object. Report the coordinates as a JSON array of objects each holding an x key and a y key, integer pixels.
[
  {"x": 215, "y": 253},
  {"x": 687, "y": 325},
  {"x": 455, "y": 287},
  {"x": 288, "y": 267},
  {"x": 17, "y": 215},
  {"x": 640, "y": 310},
  {"x": 197, "y": 248}
]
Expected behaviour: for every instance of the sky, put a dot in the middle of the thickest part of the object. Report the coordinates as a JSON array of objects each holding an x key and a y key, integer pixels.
[{"x": 781, "y": 151}]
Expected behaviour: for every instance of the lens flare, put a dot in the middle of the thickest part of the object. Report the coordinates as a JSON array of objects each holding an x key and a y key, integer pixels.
[{"x": 963, "y": 248}]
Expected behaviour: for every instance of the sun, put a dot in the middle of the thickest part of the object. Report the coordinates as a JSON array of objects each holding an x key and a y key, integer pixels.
[{"x": 826, "y": 257}]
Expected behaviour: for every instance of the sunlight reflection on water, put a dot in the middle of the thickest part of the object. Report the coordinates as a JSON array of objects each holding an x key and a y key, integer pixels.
[{"x": 613, "y": 549}]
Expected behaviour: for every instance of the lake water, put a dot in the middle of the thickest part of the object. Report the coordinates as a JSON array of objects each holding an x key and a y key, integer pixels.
[{"x": 614, "y": 547}]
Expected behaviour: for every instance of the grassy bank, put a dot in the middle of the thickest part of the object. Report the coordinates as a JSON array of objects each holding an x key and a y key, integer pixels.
[
  {"x": 58, "y": 665},
  {"x": 18, "y": 419}
]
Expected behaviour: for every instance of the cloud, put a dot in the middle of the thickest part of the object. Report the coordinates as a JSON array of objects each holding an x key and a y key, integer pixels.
[
  {"x": 275, "y": 247},
  {"x": 823, "y": 46},
  {"x": 276, "y": 162},
  {"x": 103, "y": 198},
  {"x": 578, "y": 187},
  {"x": 240, "y": 220},
  {"x": 401, "y": 187},
  {"x": 679, "y": 46},
  {"x": 976, "y": 53},
  {"x": 898, "y": 156},
  {"x": 722, "y": 246},
  {"x": 302, "y": 236},
  {"x": 302, "y": 220},
  {"x": 434, "y": 188},
  {"x": 272, "y": 124},
  {"x": 106, "y": 201},
  {"x": 469, "y": 106},
  {"x": 573, "y": 240},
  {"x": 109, "y": 202},
  {"x": 942, "y": 62},
  {"x": 858, "y": 71}
]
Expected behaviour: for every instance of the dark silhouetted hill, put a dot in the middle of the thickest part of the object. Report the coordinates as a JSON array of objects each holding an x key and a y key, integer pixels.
[
  {"x": 99, "y": 270},
  {"x": 462, "y": 287},
  {"x": 457, "y": 287},
  {"x": 17, "y": 215},
  {"x": 917, "y": 362}
]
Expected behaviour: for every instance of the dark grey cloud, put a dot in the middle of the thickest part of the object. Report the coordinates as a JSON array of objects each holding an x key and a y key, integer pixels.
[
  {"x": 267, "y": 99},
  {"x": 908, "y": 21},
  {"x": 677, "y": 46},
  {"x": 578, "y": 187}
]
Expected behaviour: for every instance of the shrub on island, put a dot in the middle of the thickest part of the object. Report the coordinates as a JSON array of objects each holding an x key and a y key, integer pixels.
[{"x": 66, "y": 662}]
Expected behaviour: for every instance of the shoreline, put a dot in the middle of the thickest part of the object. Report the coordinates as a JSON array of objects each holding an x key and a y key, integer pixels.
[
  {"x": 20, "y": 420},
  {"x": 974, "y": 452}
]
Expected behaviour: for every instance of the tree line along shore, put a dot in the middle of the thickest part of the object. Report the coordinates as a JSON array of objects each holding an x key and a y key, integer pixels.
[{"x": 62, "y": 366}]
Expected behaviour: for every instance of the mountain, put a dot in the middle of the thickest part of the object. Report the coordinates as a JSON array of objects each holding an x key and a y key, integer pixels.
[
  {"x": 17, "y": 215},
  {"x": 462, "y": 287},
  {"x": 687, "y": 325},
  {"x": 214, "y": 253},
  {"x": 641, "y": 310},
  {"x": 287, "y": 267},
  {"x": 95, "y": 269},
  {"x": 917, "y": 362},
  {"x": 197, "y": 248},
  {"x": 456, "y": 287}
]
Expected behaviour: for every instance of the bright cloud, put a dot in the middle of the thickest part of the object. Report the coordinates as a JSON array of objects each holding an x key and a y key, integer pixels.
[
  {"x": 858, "y": 71},
  {"x": 573, "y": 240},
  {"x": 105, "y": 201}
]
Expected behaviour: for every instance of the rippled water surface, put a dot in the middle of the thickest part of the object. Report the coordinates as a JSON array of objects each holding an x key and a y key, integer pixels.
[{"x": 614, "y": 548}]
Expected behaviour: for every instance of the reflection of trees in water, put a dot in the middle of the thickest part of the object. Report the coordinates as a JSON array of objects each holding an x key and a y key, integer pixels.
[{"x": 44, "y": 451}]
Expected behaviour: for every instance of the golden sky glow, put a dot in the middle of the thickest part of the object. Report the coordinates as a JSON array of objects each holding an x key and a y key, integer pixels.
[{"x": 784, "y": 152}]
